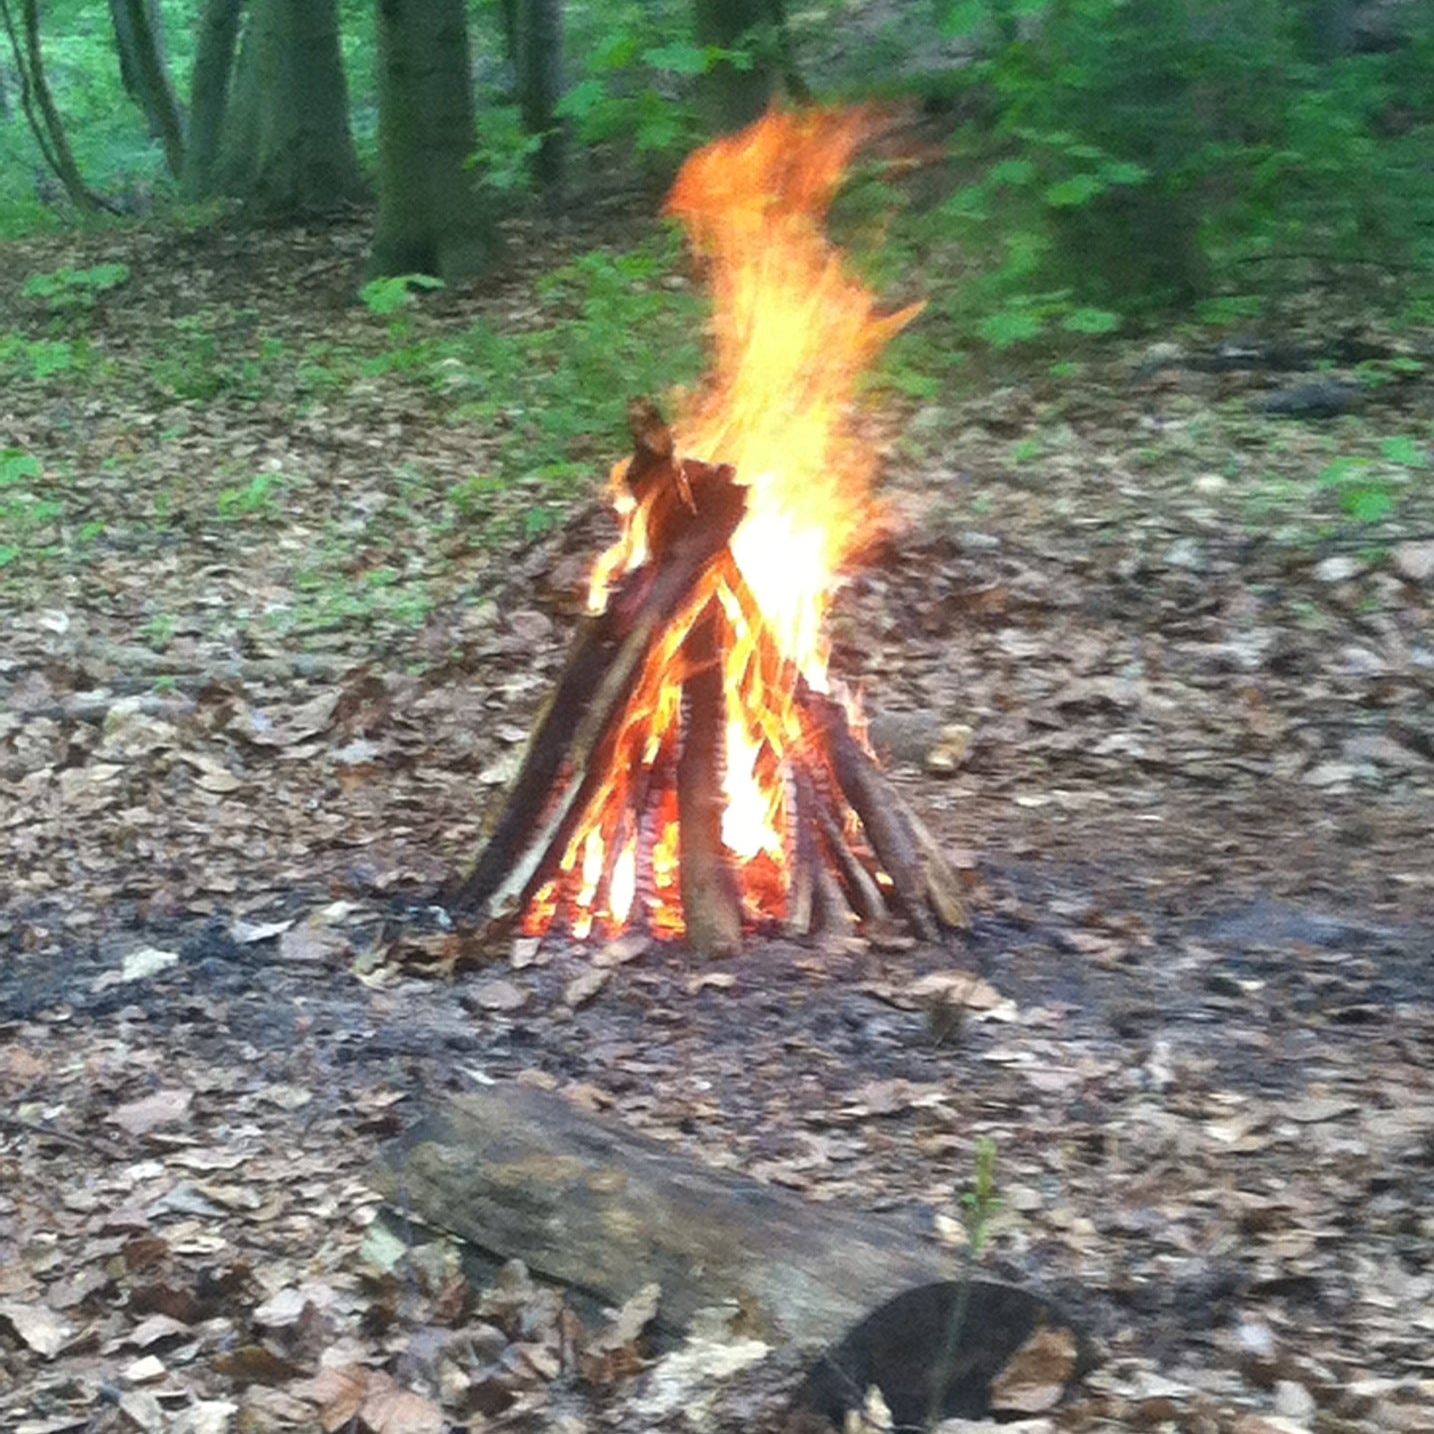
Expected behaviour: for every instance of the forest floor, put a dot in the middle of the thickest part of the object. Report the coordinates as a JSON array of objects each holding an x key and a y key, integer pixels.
[{"x": 271, "y": 649}]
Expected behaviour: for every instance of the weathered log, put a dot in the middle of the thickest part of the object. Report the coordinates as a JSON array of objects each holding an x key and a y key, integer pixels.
[
  {"x": 585, "y": 1202},
  {"x": 588, "y": 1204}
]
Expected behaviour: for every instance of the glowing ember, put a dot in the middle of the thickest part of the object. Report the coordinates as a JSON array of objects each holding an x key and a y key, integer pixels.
[{"x": 793, "y": 330}]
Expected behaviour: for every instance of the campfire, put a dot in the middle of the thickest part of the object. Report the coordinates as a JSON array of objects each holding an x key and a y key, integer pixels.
[{"x": 697, "y": 772}]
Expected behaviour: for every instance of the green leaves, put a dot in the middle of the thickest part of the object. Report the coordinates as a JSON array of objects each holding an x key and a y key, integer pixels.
[
  {"x": 1404, "y": 451},
  {"x": 22, "y": 510},
  {"x": 66, "y": 290},
  {"x": 679, "y": 58},
  {"x": 16, "y": 465},
  {"x": 258, "y": 498},
  {"x": 1365, "y": 492},
  {"x": 1009, "y": 327},
  {"x": 389, "y": 295},
  {"x": 1070, "y": 193},
  {"x": 1091, "y": 321},
  {"x": 962, "y": 17}
]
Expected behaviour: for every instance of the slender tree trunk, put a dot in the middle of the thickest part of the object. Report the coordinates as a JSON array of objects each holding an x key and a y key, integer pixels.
[
  {"x": 796, "y": 85},
  {"x": 209, "y": 92},
  {"x": 430, "y": 217},
  {"x": 730, "y": 97},
  {"x": 1329, "y": 28},
  {"x": 146, "y": 77},
  {"x": 538, "y": 61},
  {"x": 39, "y": 105},
  {"x": 286, "y": 149},
  {"x": 508, "y": 19}
]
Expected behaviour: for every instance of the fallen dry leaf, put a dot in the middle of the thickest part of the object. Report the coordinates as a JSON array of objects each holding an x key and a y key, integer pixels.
[
  {"x": 956, "y": 988},
  {"x": 584, "y": 987},
  {"x": 44, "y": 1331},
  {"x": 499, "y": 995},
  {"x": 165, "y": 1107},
  {"x": 1036, "y": 1375}
]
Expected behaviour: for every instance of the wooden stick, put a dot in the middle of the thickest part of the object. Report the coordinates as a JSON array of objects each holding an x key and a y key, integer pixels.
[
  {"x": 916, "y": 867},
  {"x": 711, "y": 902},
  {"x": 857, "y": 882},
  {"x": 803, "y": 852},
  {"x": 588, "y": 703}
]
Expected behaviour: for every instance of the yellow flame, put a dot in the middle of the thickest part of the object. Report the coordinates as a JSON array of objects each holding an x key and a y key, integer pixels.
[{"x": 793, "y": 329}]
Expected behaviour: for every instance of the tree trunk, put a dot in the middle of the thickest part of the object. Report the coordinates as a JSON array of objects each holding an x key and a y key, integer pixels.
[
  {"x": 538, "y": 62},
  {"x": 796, "y": 87},
  {"x": 209, "y": 93},
  {"x": 39, "y": 105},
  {"x": 727, "y": 96},
  {"x": 287, "y": 150},
  {"x": 508, "y": 19},
  {"x": 1329, "y": 29},
  {"x": 139, "y": 41},
  {"x": 430, "y": 217}
]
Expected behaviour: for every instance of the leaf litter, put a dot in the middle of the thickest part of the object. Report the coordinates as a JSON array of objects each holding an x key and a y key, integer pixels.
[{"x": 1188, "y": 761}]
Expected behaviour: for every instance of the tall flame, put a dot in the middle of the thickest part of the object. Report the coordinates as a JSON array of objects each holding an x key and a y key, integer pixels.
[{"x": 793, "y": 331}]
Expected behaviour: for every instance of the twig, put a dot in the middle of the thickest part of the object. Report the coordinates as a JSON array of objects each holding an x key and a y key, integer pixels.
[{"x": 77, "y": 1142}]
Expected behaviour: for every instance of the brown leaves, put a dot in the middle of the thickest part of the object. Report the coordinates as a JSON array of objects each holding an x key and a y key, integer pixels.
[
  {"x": 354, "y": 1392},
  {"x": 41, "y": 1329},
  {"x": 1036, "y": 1376},
  {"x": 169, "y": 1106}
]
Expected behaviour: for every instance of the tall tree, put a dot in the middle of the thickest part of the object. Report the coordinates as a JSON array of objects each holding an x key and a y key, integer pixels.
[
  {"x": 537, "y": 54},
  {"x": 732, "y": 95},
  {"x": 286, "y": 147},
  {"x": 430, "y": 217},
  {"x": 209, "y": 92},
  {"x": 139, "y": 38},
  {"x": 39, "y": 104}
]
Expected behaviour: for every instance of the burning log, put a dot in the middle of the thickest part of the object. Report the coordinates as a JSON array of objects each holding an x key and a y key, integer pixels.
[
  {"x": 834, "y": 784},
  {"x": 711, "y": 903},
  {"x": 694, "y": 773}
]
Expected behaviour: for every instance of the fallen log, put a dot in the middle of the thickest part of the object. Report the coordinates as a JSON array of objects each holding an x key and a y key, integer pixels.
[{"x": 589, "y": 1204}]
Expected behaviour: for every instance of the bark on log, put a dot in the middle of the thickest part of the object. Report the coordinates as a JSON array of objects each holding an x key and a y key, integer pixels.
[
  {"x": 585, "y": 1202},
  {"x": 711, "y": 902},
  {"x": 583, "y": 710},
  {"x": 922, "y": 879}
]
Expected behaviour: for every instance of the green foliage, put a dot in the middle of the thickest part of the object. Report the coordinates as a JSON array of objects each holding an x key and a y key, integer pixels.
[
  {"x": 16, "y": 466},
  {"x": 637, "y": 81},
  {"x": 556, "y": 394},
  {"x": 206, "y": 359},
  {"x": 158, "y": 631},
  {"x": 26, "y": 512},
  {"x": 40, "y": 360},
  {"x": 392, "y": 295},
  {"x": 1367, "y": 488},
  {"x": 392, "y": 298},
  {"x": 505, "y": 150},
  {"x": 1149, "y": 154},
  {"x": 256, "y": 500},
  {"x": 981, "y": 1202},
  {"x": 70, "y": 290}
]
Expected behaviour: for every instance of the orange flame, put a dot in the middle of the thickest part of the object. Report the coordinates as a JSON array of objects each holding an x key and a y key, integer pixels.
[{"x": 793, "y": 329}]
